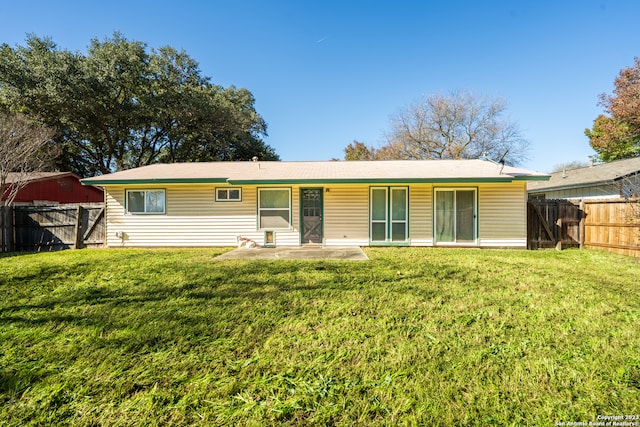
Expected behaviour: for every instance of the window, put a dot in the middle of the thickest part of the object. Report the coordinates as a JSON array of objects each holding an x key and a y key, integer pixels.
[
  {"x": 388, "y": 214},
  {"x": 274, "y": 208},
  {"x": 145, "y": 201},
  {"x": 228, "y": 194}
]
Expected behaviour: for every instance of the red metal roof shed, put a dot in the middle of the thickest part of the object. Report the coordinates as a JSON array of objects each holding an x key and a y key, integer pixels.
[{"x": 56, "y": 187}]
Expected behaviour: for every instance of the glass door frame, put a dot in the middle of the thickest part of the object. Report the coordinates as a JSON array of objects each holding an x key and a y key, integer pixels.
[
  {"x": 320, "y": 191},
  {"x": 475, "y": 240}
]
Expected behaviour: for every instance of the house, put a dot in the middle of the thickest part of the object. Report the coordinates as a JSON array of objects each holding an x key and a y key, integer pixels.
[
  {"x": 335, "y": 203},
  {"x": 614, "y": 180},
  {"x": 54, "y": 188}
]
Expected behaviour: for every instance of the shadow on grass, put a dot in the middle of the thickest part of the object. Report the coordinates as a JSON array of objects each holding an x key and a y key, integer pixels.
[
  {"x": 18, "y": 380},
  {"x": 191, "y": 304},
  {"x": 228, "y": 282}
]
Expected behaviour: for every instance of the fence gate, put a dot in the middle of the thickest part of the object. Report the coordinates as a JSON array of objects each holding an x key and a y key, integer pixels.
[
  {"x": 48, "y": 228},
  {"x": 553, "y": 224}
]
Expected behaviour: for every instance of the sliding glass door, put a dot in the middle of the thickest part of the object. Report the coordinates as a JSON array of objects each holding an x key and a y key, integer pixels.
[{"x": 455, "y": 216}]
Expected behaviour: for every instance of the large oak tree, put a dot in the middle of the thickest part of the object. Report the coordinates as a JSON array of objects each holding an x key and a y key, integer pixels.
[{"x": 122, "y": 105}]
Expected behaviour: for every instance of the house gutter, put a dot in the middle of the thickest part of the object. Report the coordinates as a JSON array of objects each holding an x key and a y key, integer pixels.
[
  {"x": 153, "y": 181},
  {"x": 573, "y": 186}
]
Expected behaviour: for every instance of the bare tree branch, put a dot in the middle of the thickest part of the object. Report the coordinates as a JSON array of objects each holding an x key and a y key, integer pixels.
[
  {"x": 25, "y": 148},
  {"x": 461, "y": 125}
]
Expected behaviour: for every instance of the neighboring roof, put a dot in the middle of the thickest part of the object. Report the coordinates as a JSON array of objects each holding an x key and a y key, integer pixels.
[
  {"x": 605, "y": 173},
  {"x": 38, "y": 176},
  {"x": 391, "y": 171}
]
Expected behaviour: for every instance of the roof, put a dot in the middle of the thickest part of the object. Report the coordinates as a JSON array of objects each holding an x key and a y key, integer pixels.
[
  {"x": 605, "y": 173},
  {"x": 391, "y": 171},
  {"x": 37, "y": 176}
]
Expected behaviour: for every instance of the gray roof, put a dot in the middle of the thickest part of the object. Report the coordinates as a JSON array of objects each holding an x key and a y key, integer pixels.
[
  {"x": 320, "y": 172},
  {"x": 605, "y": 173}
]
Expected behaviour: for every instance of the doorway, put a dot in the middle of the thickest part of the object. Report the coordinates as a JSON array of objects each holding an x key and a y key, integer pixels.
[
  {"x": 312, "y": 211},
  {"x": 455, "y": 216}
]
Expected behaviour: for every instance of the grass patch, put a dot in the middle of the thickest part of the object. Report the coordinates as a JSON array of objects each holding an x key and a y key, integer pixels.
[{"x": 413, "y": 336}]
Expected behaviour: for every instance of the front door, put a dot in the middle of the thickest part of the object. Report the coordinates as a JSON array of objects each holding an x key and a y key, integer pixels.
[{"x": 311, "y": 215}]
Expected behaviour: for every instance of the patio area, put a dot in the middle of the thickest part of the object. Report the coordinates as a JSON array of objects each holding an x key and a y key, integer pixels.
[{"x": 303, "y": 252}]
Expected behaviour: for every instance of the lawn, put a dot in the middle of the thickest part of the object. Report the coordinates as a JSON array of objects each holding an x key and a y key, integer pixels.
[{"x": 411, "y": 337}]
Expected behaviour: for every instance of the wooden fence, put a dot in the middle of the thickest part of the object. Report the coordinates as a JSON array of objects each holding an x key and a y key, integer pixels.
[
  {"x": 6, "y": 229},
  {"x": 613, "y": 225},
  {"x": 48, "y": 228}
]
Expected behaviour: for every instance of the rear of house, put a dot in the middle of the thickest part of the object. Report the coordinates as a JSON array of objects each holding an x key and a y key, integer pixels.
[{"x": 406, "y": 203}]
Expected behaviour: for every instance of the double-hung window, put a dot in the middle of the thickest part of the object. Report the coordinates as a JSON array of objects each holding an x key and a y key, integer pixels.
[
  {"x": 145, "y": 201},
  {"x": 274, "y": 208}
]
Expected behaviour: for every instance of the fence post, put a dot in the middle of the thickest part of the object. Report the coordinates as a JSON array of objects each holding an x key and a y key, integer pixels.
[
  {"x": 3, "y": 230},
  {"x": 582, "y": 228},
  {"x": 79, "y": 233}
]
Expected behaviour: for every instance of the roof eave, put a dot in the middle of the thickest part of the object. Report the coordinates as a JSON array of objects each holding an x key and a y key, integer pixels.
[
  {"x": 152, "y": 181},
  {"x": 573, "y": 186},
  {"x": 315, "y": 181}
]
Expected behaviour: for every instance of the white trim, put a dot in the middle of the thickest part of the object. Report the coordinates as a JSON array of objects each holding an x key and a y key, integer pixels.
[
  {"x": 145, "y": 191},
  {"x": 289, "y": 208},
  {"x": 228, "y": 192},
  {"x": 503, "y": 243}
]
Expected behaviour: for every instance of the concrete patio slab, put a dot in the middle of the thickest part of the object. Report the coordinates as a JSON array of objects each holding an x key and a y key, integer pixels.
[{"x": 311, "y": 252}]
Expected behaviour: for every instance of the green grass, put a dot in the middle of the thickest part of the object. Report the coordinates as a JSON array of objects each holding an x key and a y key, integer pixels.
[{"x": 412, "y": 337}]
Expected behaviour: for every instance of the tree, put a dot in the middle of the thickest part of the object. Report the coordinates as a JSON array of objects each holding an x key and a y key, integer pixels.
[
  {"x": 25, "y": 148},
  {"x": 359, "y": 151},
  {"x": 616, "y": 134},
  {"x": 461, "y": 125},
  {"x": 122, "y": 106},
  {"x": 575, "y": 164}
]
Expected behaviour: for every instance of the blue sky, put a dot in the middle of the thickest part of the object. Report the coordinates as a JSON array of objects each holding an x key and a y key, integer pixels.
[{"x": 325, "y": 73}]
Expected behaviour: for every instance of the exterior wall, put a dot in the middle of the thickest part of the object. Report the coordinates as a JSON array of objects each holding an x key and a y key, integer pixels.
[
  {"x": 194, "y": 218},
  {"x": 346, "y": 215},
  {"x": 421, "y": 214},
  {"x": 502, "y": 215},
  {"x": 610, "y": 191}
]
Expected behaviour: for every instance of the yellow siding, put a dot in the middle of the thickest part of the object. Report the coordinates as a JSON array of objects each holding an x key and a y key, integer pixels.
[
  {"x": 502, "y": 215},
  {"x": 346, "y": 215},
  {"x": 421, "y": 215},
  {"x": 194, "y": 218}
]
